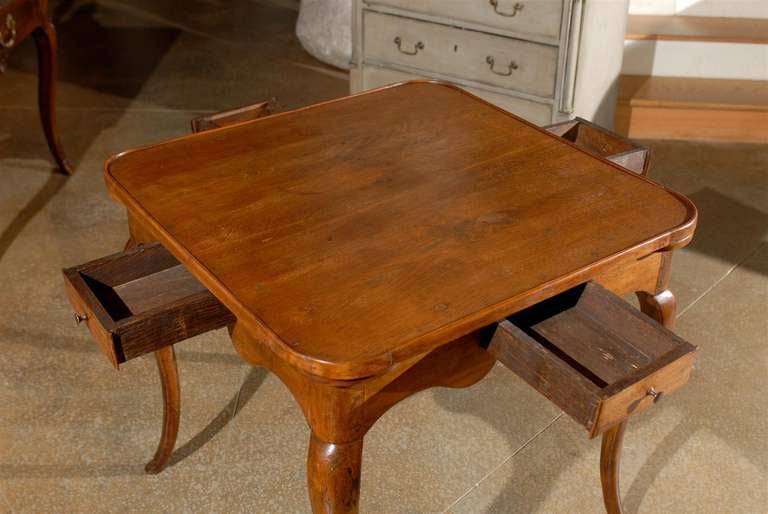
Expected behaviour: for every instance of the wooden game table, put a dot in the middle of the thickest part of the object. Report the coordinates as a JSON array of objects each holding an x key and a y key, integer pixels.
[{"x": 364, "y": 245}]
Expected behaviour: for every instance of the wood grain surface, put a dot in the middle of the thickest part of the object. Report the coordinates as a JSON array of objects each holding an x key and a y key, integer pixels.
[{"x": 350, "y": 235}]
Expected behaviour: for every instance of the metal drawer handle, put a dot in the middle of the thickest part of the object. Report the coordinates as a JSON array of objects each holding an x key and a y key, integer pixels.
[
  {"x": 79, "y": 318},
  {"x": 418, "y": 46},
  {"x": 654, "y": 393},
  {"x": 9, "y": 39},
  {"x": 515, "y": 9},
  {"x": 512, "y": 66}
]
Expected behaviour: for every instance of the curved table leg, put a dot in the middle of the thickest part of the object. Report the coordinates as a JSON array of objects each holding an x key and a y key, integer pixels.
[
  {"x": 333, "y": 476},
  {"x": 662, "y": 307},
  {"x": 610, "y": 457},
  {"x": 47, "y": 70},
  {"x": 340, "y": 413},
  {"x": 169, "y": 378},
  {"x": 169, "y": 381}
]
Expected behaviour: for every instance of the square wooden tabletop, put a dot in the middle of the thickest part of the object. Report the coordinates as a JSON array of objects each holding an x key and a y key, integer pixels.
[{"x": 353, "y": 234}]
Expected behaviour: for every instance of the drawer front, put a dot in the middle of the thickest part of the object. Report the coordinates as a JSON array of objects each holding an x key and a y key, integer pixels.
[
  {"x": 495, "y": 60},
  {"x": 534, "y": 17},
  {"x": 634, "y": 398},
  {"x": 88, "y": 310},
  {"x": 534, "y": 112}
]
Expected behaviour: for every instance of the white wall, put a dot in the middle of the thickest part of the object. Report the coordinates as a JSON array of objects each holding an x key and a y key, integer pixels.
[{"x": 719, "y": 8}]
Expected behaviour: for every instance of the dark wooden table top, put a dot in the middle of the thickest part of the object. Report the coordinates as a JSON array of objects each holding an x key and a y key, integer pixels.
[{"x": 354, "y": 234}]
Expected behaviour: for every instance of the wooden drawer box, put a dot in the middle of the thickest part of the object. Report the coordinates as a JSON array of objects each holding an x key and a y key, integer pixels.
[
  {"x": 535, "y": 112},
  {"x": 602, "y": 142},
  {"x": 534, "y": 17},
  {"x": 593, "y": 355},
  {"x": 499, "y": 61},
  {"x": 140, "y": 300}
]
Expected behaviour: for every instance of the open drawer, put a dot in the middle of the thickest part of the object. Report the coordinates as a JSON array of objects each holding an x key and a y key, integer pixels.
[
  {"x": 604, "y": 143},
  {"x": 141, "y": 300},
  {"x": 593, "y": 355}
]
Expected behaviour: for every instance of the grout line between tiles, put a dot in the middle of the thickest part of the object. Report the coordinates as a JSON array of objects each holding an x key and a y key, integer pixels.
[
  {"x": 727, "y": 273},
  {"x": 491, "y": 472}
]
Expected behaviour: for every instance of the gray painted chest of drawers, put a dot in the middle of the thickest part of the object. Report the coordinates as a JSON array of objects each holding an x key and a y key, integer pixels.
[{"x": 544, "y": 60}]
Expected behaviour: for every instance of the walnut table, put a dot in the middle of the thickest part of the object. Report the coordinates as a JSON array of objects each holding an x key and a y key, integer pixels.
[{"x": 363, "y": 245}]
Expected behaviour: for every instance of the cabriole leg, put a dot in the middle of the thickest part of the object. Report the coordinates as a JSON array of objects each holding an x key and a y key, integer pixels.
[
  {"x": 610, "y": 458},
  {"x": 333, "y": 476},
  {"x": 661, "y": 306},
  {"x": 47, "y": 71},
  {"x": 169, "y": 379}
]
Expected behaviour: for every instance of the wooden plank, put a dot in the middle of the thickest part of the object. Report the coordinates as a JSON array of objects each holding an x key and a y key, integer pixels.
[
  {"x": 627, "y": 324},
  {"x": 552, "y": 377},
  {"x": 158, "y": 289},
  {"x": 693, "y": 124},
  {"x": 231, "y": 116},
  {"x": 693, "y": 93},
  {"x": 171, "y": 323},
  {"x": 697, "y": 28},
  {"x": 592, "y": 345}
]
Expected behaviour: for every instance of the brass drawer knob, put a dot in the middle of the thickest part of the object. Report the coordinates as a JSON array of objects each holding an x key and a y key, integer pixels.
[
  {"x": 654, "y": 394},
  {"x": 418, "y": 46},
  {"x": 79, "y": 318},
  {"x": 515, "y": 9},
  {"x": 8, "y": 39},
  {"x": 504, "y": 73}
]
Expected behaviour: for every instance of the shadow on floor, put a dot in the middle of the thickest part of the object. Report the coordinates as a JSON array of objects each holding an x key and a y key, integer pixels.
[
  {"x": 703, "y": 406},
  {"x": 44, "y": 195},
  {"x": 721, "y": 219},
  {"x": 250, "y": 385},
  {"x": 104, "y": 58},
  {"x": 101, "y": 56}
]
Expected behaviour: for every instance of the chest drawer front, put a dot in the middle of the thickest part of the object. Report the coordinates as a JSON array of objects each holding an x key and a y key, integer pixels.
[
  {"x": 534, "y": 112},
  {"x": 534, "y": 17},
  {"x": 495, "y": 60}
]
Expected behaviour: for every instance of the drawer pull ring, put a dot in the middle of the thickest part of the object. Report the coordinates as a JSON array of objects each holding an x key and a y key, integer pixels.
[
  {"x": 79, "y": 318},
  {"x": 512, "y": 66},
  {"x": 515, "y": 9},
  {"x": 418, "y": 46},
  {"x": 654, "y": 393},
  {"x": 9, "y": 39}
]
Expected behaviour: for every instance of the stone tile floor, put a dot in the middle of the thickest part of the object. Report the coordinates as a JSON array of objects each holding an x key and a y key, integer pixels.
[{"x": 74, "y": 434}]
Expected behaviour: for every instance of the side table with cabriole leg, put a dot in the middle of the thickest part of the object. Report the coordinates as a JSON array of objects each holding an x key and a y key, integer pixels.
[{"x": 19, "y": 19}]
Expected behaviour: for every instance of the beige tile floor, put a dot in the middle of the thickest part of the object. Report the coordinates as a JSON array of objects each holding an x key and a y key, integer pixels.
[{"x": 74, "y": 434}]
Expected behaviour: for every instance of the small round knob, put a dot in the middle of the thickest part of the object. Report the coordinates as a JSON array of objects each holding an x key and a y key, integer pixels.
[
  {"x": 79, "y": 318},
  {"x": 654, "y": 394}
]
